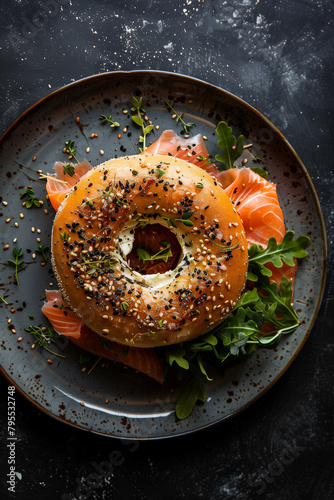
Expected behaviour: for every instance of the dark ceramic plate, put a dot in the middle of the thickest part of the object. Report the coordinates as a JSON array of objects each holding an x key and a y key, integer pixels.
[{"x": 137, "y": 407}]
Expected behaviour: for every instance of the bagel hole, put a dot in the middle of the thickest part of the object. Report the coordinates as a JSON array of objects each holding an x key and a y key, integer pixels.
[{"x": 149, "y": 241}]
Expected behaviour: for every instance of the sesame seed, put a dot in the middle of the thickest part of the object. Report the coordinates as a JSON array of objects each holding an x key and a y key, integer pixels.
[
  {"x": 21, "y": 216},
  {"x": 87, "y": 149},
  {"x": 20, "y": 339},
  {"x": 125, "y": 111},
  {"x": 6, "y": 247},
  {"x": 101, "y": 152},
  {"x": 5, "y": 203}
]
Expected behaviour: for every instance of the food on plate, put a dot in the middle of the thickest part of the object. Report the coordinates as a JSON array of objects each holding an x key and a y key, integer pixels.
[
  {"x": 66, "y": 323},
  {"x": 94, "y": 235},
  {"x": 152, "y": 253},
  {"x": 60, "y": 185}
]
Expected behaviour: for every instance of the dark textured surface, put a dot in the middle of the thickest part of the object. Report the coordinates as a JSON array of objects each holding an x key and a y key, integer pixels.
[{"x": 278, "y": 56}]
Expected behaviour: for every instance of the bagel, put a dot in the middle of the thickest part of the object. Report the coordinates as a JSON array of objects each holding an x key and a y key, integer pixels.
[{"x": 94, "y": 231}]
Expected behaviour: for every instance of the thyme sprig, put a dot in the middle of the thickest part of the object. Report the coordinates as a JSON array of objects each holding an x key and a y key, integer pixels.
[
  {"x": 68, "y": 169},
  {"x": 225, "y": 248},
  {"x": 163, "y": 254},
  {"x": 32, "y": 200},
  {"x": 104, "y": 119},
  {"x": 99, "y": 266},
  {"x": 140, "y": 121},
  {"x": 17, "y": 252},
  {"x": 69, "y": 148},
  {"x": 185, "y": 219},
  {"x": 3, "y": 300},
  {"x": 42, "y": 249},
  {"x": 186, "y": 126},
  {"x": 44, "y": 337}
]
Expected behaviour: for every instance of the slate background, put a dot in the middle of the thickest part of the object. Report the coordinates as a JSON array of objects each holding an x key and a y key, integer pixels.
[{"x": 277, "y": 56}]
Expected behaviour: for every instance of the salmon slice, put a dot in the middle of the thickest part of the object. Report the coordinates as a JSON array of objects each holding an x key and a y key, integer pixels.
[
  {"x": 255, "y": 199},
  {"x": 189, "y": 149},
  {"x": 65, "y": 322},
  {"x": 62, "y": 319},
  {"x": 57, "y": 187}
]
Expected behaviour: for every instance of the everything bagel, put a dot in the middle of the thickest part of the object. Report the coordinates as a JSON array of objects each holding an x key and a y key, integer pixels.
[{"x": 95, "y": 233}]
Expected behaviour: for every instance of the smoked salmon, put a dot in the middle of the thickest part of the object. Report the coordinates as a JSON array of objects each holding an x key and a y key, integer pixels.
[
  {"x": 57, "y": 187},
  {"x": 65, "y": 322},
  {"x": 192, "y": 150}
]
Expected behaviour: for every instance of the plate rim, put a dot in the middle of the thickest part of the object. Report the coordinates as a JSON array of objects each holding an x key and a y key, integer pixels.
[{"x": 322, "y": 227}]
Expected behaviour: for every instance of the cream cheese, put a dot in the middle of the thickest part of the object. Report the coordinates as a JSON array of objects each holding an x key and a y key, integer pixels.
[{"x": 153, "y": 281}]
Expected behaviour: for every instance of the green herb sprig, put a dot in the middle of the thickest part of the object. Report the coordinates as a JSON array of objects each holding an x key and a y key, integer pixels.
[
  {"x": 3, "y": 300},
  {"x": 32, "y": 201},
  {"x": 17, "y": 252},
  {"x": 44, "y": 337},
  {"x": 64, "y": 236},
  {"x": 42, "y": 250},
  {"x": 69, "y": 145},
  {"x": 105, "y": 119},
  {"x": 186, "y": 126},
  {"x": 98, "y": 266},
  {"x": 69, "y": 170},
  {"x": 185, "y": 219},
  {"x": 163, "y": 254},
  {"x": 140, "y": 121}
]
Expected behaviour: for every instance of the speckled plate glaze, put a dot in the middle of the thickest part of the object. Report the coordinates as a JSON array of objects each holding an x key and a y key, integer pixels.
[{"x": 136, "y": 407}]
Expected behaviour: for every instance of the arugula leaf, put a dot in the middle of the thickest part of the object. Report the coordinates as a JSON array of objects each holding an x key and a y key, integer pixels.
[
  {"x": 193, "y": 391},
  {"x": 176, "y": 354},
  {"x": 260, "y": 171},
  {"x": 231, "y": 147},
  {"x": 275, "y": 306},
  {"x": 276, "y": 254}
]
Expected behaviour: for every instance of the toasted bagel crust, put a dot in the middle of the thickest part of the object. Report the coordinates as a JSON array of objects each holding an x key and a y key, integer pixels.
[{"x": 90, "y": 264}]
